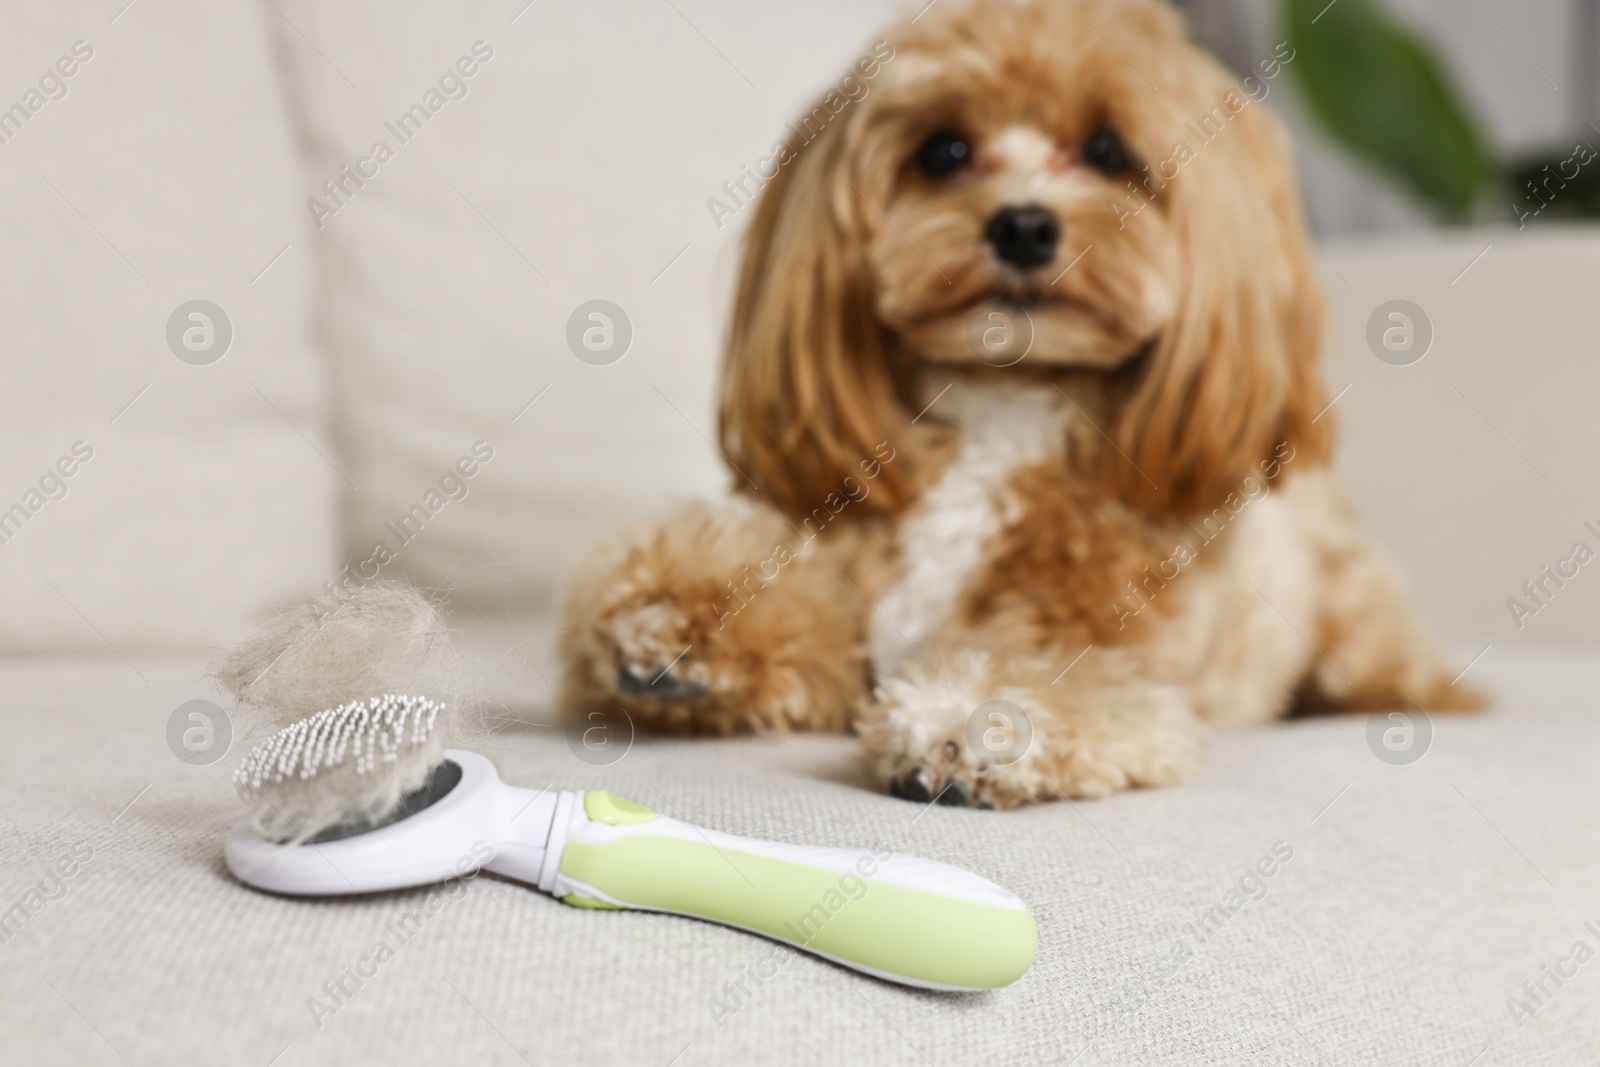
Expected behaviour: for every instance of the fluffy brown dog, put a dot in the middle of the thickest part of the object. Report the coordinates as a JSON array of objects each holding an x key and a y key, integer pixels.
[{"x": 1022, "y": 393}]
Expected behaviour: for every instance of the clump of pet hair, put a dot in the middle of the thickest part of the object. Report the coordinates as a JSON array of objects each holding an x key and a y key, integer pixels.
[{"x": 386, "y": 639}]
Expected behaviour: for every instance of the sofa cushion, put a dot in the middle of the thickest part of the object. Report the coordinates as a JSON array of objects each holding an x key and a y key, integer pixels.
[
  {"x": 153, "y": 496},
  {"x": 1403, "y": 908}
]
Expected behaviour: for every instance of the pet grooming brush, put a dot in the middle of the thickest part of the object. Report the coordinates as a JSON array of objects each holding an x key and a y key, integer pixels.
[{"x": 364, "y": 797}]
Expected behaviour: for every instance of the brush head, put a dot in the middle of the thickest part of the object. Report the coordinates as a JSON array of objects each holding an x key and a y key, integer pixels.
[
  {"x": 334, "y": 756},
  {"x": 344, "y": 770}
]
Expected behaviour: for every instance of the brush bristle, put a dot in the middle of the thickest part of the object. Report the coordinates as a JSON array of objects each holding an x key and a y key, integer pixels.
[
  {"x": 346, "y": 764},
  {"x": 370, "y": 733}
]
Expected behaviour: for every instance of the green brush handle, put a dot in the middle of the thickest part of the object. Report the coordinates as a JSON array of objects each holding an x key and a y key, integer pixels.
[{"x": 898, "y": 917}]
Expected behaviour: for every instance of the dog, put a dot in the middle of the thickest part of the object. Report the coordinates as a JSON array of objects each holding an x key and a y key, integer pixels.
[{"x": 1022, "y": 409}]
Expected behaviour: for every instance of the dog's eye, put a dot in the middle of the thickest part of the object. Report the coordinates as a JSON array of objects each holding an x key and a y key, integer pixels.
[
  {"x": 1105, "y": 152},
  {"x": 943, "y": 153}
]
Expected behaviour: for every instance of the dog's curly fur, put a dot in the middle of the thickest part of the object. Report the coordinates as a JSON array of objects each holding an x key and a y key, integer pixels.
[{"x": 1129, "y": 533}]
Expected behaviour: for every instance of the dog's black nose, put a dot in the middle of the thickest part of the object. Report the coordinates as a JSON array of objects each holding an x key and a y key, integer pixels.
[{"x": 1024, "y": 237}]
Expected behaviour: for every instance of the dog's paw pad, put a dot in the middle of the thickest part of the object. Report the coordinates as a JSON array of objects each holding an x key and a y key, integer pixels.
[
  {"x": 915, "y": 786},
  {"x": 651, "y": 643},
  {"x": 672, "y": 683},
  {"x": 953, "y": 795},
  {"x": 922, "y": 785}
]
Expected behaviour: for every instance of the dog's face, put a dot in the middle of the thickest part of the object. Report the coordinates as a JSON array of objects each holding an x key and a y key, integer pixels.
[
  {"x": 1066, "y": 184},
  {"x": 1008, "y": 232}
]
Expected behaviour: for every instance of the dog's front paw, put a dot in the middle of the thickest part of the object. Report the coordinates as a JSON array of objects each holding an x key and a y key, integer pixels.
[
  {"x": 687, "y": 627},
  {"x": 638, "y": 680},
  {"x": 920, "y": 734},
  {"x": 674, "y": 672},
  {"x": 941, "y": 778},
  {"x": 954, "y": 775},
  {"x": 654, "y": 655},
  {"x": 970, "y": 735}
]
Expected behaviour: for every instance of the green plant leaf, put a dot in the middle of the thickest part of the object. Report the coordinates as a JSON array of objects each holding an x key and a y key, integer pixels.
[{"x": 1381, "y": 92}]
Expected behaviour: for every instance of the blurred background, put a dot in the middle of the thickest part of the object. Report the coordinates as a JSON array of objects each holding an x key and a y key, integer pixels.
[
  {"x": 1421, "y": 111},
  {"x": 283, "y": 348}
]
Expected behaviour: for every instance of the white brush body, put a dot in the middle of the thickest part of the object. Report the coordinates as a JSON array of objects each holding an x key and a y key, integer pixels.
[
  {"x": 963, "y": 932},
  {"x": 481, "y": 820}
]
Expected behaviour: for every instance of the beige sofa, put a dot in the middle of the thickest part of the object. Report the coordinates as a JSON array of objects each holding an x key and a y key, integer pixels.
[{"x": 422, "y": 313}]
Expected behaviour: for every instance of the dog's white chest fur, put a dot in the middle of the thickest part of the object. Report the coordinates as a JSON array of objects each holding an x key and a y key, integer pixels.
[{"x": 1004, "y": 426}]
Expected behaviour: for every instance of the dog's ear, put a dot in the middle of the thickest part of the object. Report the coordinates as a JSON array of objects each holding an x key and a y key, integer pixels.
[
  {"x": 1233, "y": 381},
  {"x": 808, "y": 396}
]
